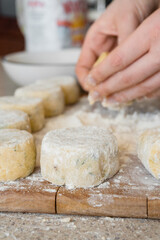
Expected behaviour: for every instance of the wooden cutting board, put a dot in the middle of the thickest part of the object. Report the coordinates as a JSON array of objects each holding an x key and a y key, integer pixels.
[{"x": 133, "y": 192}]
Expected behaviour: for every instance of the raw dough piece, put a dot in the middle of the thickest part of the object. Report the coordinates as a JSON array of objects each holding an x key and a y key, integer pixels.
[
  {"x": 149, "y": 151},
  {"x": 69, "y": 86},
  {"x": 14, "y": 119},
  {"x": 79, "y": 157},
  {"x": 115, "y": 106},
  {"x": 32, "y": 106},
  {"x": 17, "y": 154},
  {"x": 65, "y": 120},
  {"x": 101, "y": 58},
  {"x": 52, "y": 97},
  {"x": 105, "y": 103}
]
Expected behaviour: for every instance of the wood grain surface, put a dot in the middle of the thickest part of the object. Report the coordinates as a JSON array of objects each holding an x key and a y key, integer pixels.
[
  {"x": 124, "y": 195},
  {"x": 132, "y": 192},
  {"x": 98, "y": 202},
  {"x": 28, "y": 195}
]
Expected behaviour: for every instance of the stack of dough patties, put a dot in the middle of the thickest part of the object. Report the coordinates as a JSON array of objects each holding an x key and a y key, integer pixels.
[
  {"x": 68, "y": 85},
  {"x": 25, "y": 113},
  {"x": 52, "y": 97},
  {"x": 32, "y": 106}
]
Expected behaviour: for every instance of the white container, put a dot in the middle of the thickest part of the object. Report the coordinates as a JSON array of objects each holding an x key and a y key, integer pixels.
[{"x": 49, "y": 25}]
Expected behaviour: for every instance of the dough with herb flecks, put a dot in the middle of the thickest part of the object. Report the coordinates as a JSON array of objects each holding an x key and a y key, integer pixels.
[
  {"x": 32, "y": 106},
  {"x": 69, "y": 87},
  {"x": 79, "y": 157},
  {"x": 14, "y": 119},
  {"x": 149, "y": 151},
  {"x": 17, "y": 154},
  {"x": 52, "y": 97}
]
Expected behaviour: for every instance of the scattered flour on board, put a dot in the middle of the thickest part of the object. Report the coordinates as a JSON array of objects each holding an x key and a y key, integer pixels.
[
  {"x": 126, "y": 124},
  {"x": 123, "y": 123},
  {"x": 34, "y": 180}
]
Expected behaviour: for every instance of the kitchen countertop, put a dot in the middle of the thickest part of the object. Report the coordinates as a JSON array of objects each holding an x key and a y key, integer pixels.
[{"x": 19, "y": 226}]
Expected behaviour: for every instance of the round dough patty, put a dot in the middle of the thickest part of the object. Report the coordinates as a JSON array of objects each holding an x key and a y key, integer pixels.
[
  {"x": 32, "y": 106},
  {"x": 149, "y": 151},
  {"x": 17, "y": 154},
  {"x": 79, "y": 157},
  {"x": 52, "y": 97},
  {"x": 69, "y": 87},
  {"x": 14, "y": 119}
]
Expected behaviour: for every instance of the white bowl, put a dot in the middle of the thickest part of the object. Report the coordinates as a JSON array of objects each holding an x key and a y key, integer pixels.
[{"x": 25, "y": 68}]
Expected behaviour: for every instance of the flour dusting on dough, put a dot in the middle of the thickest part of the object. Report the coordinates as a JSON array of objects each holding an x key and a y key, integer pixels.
[{"x": 126, "y": 125}]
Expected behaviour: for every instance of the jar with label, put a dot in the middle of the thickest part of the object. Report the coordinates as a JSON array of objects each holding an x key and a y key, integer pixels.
[{"x": 49, "y": 25}]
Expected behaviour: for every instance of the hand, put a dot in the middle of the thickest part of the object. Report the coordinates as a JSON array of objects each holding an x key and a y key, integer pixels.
[
  {"x": 119, "y": 20},
  {"x": 132, "y": 70}
]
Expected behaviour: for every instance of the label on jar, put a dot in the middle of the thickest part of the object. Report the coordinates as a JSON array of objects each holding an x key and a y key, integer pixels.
[
  {"x": 73, "y": 20},
  {"x": 53, "y": 24}
]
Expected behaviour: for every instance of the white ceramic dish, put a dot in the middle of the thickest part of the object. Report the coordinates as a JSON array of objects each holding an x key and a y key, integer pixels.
[{"x": 25, "y": 68}]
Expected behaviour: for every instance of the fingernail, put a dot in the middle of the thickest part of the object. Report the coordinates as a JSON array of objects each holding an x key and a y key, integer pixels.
[
  {"x": 94, "y": 97},
  {"x": 90, "y": 81}
]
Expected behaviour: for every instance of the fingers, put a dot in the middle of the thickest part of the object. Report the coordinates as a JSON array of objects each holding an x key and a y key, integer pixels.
[
  {"x": 89, "y": 54},
  {"x": 140, "y": 70},
  {"x": 121, "y": 57},
  {"x": 143, "y": 89},
  {"x": 155, "y": 94},
  {"x": 101, "y": 37},
  {"x": 124, "y": 30}
]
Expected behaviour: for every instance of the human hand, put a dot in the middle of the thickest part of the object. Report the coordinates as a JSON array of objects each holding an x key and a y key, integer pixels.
[
  {"x": 119, "y": 20},
  {"x": 132, "y": 70}
]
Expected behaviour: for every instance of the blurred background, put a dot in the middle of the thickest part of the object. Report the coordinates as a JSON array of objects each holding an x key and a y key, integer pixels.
[
  {"x": 23, "y": 25},
  {"x": 11, "y": 39}
]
